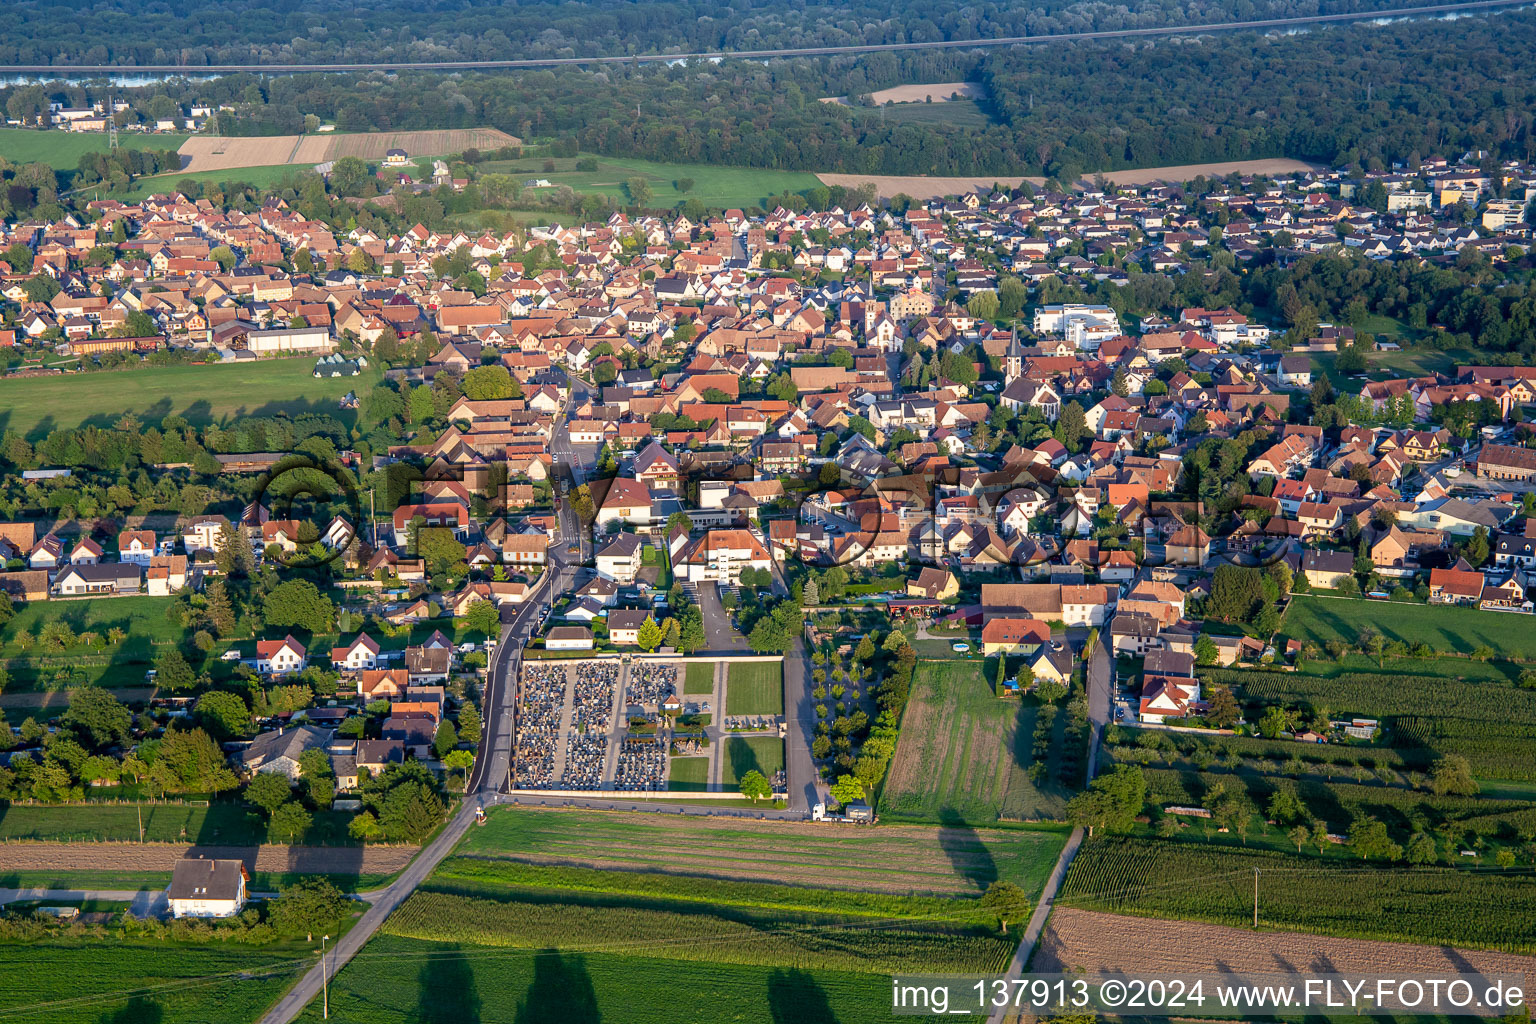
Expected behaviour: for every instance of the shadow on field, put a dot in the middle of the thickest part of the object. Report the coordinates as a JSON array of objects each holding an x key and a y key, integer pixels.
[
  {"x": 795, "y": 998},
  {"x": 447, "y": 986},
  {"x": 968, "y": 855},
  {"x": 138, "y": 1010},
  {"x": 561, "y": 993}
]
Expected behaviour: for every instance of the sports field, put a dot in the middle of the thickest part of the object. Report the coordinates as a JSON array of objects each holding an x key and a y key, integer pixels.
[
  {"x": 1446, "y": 628},
  {"x": 755, "y": 688},
  {"x": 203, "y": 394},
  {"x": 964, "y": 753},
  {"x": 62, "y": 150}
]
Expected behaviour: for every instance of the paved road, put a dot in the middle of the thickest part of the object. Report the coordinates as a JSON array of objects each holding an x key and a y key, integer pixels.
[
  {"x": 800, "y": 730},
  {"x": 721, "y": 637},
  {"x": 1101, "y": 683},
  {"x": 806, "y": 51},
  {"x": 141, "y": 902}
]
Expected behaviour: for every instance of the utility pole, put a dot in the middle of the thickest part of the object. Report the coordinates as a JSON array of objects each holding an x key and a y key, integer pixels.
[
  {"x": 140, "y": 808},
  {"x": 325, "y": 979},
  {"x": 111, "y": 123},
  {"x": 1255, "y": 897}
]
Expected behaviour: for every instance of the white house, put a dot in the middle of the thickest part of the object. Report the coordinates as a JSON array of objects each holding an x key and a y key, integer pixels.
[
  {"x": 207, "y": 888},
  {"x": 280, "y": 657}
]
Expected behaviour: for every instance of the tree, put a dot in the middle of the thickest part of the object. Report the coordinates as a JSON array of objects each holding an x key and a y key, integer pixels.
[
  {"x": 1112, "y": 801},
  {"x": 1206, "y": 651},
  {"x": 1071, "y": 426},
  {"x": 299, "y": 603},
  {"x": 1224, "y": 709},
  {"x": 1007, "y": 901},
  {"x": 483, "y": 617},
  {"x": 223, "y": 714},
  {"x": 639, "y": 190},
  {"x": 365, "y": 826},
  {"x": 309, "y": 905},
  {"x": 224, "y": 256},
  {"x": 470, "y": 723},
  {"x": 290, "y": 820},
  {"x": 488, "y": 383},
  {"x": 97, "y": 718},
  {"x": 1452, "y": 774},
  {"x": 1368, "y": 837},
  {"x": 190, "y": 762},
  {"x": 1299, "y": 835},
  {"x": 1421, "y": 849},
  {"x": 172, "y": 671},
  {"x": 446, "y": 739},
  {"x": 269, "y": 791},
  {"x": 754, "y": 786},
  {"x": 846, "y": 790},
  {"x": 649, "y": 635}
]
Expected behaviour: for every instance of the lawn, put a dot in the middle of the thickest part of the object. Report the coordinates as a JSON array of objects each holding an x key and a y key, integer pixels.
[
  {"x": 743, "y": 754},
  {"x": 700, "y": 679},
  {"x": 963, "y": 753},
  {"x": 202, "y": 394},
  {"x": 712, "y": 186},
  {"x": 755, "y": 688},
  {"x": 142, "y": 618},
  {"x": 267, "y": 177},
  {"x": 62, "y": 150},
  {"x": 689, "y": 774},
  {"x": 127, "y": 982},
  {"x": 1446, "y": 628}
]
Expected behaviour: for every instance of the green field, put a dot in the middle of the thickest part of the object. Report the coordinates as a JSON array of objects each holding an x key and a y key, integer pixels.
[
  {"x": 409, "y": 981},
  {"x": 62, "y": 150},
  {"x": 746, "y": 753},
  {"x": 123, "y": 981},
  {"x": 222, "y": 822},
  {"x": 1194, "y": 882},
  {"x": 142, "y": 618},
  {"x": 755, "y": 688},
  {"x": 266, "y": 177},
  {"x": 956, "y": 112},
  {"x": 684, "y": 856},
  {"x": 1446, "y": 628},
  {"x": 689, "y": 774},
  {"x": 203, "y": 394},
  {"x": 700, "y": 679},
  {"x": 712, "y": 186},
  {"x": 964, "y": 753}
]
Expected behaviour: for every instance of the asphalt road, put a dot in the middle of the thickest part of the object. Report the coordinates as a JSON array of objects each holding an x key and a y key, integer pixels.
[{"x": 806, "y": 51}]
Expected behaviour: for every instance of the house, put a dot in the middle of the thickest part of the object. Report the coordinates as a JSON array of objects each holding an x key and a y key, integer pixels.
[
  {"x": 103, "y": 578},
  {"x": 137, "y": 546},
  {"x": 204, "y": 535},
  {"x": 1163, "y": 697},
  {"x": 620, "y": 559},
  {"x": 85, "y": 552},
  {"x": 280, "y": 657},
  {"x": 207, "y": 888},
  {"x": 1455, "y": 586},
  {"x": 428, "y": 663},
  {"x": 568, "y": 638},
  {"x": 1327, "y": 568},
  {"x": 934, "y": 583},
  {"x": 624, "y": 624},
  {"x": 719, "y": 555},
  {"x": 627, "y": 501},
  {"x": 383, "y": 683},
  {"x": 361, "y": 653},
  {"x": 1009, "y": 635},
  {"x": 1296, "y": 371},
  {"x": 279, "y": 751}
]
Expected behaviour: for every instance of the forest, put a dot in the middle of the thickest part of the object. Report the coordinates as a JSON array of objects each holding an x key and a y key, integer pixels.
[
  {"x": 285, "y": 31},
  {"x": 1363, "y": 94}
]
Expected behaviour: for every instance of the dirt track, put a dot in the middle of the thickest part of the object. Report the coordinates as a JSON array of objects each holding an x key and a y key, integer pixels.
[
  {"x": 147, "y": 857},
  {"x": 919, "y": 187},
  {"x": 1094, "y": 941},
  {"x": 217, "y": 153}
]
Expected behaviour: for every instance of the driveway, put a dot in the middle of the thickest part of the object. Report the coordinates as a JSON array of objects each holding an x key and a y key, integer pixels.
[{"x": 718, "y": 631}]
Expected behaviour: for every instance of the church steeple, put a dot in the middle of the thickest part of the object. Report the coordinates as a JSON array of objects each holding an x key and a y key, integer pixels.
[{"x": 1013, "y": 362}]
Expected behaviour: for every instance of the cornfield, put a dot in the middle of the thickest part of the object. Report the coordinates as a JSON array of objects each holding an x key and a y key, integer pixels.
[{"x": 1187, "y": 881}]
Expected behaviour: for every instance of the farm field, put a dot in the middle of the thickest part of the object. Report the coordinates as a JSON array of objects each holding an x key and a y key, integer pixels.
[
  {"x": 904, "y": 860},
  {"x": 222, "y": 822},
  {"x": 1082, "y": 939},
  {"x": 157, "y": 855},
  {"x": 964, "y": 753},
  {"x": 688, "y": 774},
  {"x": 62, "y": 150},
  {"x": 141, "y": 618},
  {"x": 712, "y": 186},
  {"x": 220, "y": 153},
  {"x": 955, "y": 112},
  {"x": 1492, "y": 724},
  {"x": 202, "y": 394},
  {"x": 262, "y": 177},
  {"x": 938, "y": 92},
  {"x": 409, "y": 981},
  {"x": 1442, "y": 906},
  {"x": 755, "y": 688},
  {"x": 699, "y": 679},
  {"x": 85, "y": 982},
  {"x": 748, "y": 753},
  {"x": 1446, "y": 628}
]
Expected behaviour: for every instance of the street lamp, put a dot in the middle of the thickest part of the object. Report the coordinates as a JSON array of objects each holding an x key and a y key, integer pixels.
[{"x": 325, "y": 980}]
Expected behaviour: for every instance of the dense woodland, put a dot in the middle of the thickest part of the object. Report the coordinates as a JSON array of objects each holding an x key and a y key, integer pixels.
[
  {"x": 1340, "y": 95},
  {"x": 283, "y": 31}
]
